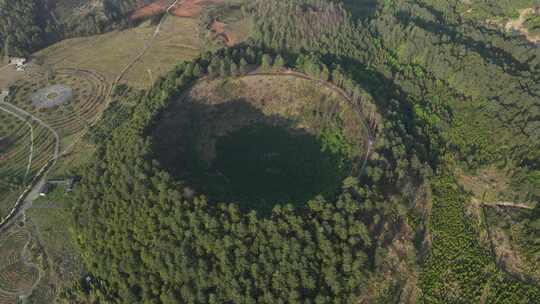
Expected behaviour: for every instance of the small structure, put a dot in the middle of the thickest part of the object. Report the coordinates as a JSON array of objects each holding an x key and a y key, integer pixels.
[
  {"x": 19, "y": 63},
  {"x": 44, "y": 190},
  {"x": 67, "y": 183},
  {"x": 70, "y": 183}
]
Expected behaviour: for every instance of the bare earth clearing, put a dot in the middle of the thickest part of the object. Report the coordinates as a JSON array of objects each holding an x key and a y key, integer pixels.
[{"x": 518, "y": 24}]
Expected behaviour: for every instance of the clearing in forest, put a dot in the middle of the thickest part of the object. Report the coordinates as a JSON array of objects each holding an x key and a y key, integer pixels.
[
  {"x": 261, "y": 140},
  {"x": 527, "y": 24}
]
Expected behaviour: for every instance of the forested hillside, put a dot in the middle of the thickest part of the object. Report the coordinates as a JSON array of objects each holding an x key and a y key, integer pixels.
[
  {"x": 27, "y": 26},
  {"x": 444, "y": 92},
  {"x": 490, "y": 79},
  {"x": 323, "y": 252}
]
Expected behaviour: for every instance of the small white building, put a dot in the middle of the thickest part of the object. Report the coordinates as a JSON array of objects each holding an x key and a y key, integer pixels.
[{"x": 20, "y": 63}]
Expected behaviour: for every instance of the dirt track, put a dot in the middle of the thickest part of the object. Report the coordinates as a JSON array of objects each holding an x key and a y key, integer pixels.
[{"x": 508, "y": 205}]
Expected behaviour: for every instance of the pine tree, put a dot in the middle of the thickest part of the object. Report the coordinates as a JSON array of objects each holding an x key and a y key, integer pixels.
[
  {"x": 266, "y": 63},
  {"x": 279, "y": 63},
  {"x": 243, "y": 66}
]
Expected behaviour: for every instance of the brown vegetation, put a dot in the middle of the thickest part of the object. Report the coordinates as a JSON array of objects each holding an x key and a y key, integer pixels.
[
  {"x": 219, "y": 29},
  {"x": 186, "y": 8}
]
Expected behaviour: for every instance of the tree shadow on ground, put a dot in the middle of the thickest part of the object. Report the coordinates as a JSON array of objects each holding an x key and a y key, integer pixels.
[{"x": 232, "y": 152}]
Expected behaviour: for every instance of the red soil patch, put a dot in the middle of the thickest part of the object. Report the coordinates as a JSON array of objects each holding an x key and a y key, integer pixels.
[
  {"x": 185, "y": 8},
  {"x": 149, "y": 10},
  {"x": 219, "y": 29}
]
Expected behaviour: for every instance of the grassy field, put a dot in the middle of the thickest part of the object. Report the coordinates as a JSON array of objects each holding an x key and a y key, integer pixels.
[
  {"x": 109, "y": 53},
  {"x": 261, "y": 140},
  {"x": 50, "y": 218},
  {"x": 87, "y": 66}
]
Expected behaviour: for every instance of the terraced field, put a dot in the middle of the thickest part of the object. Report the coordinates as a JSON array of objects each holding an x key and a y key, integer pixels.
[
  {"x": 7, "y": 299},
  {"x": 88, "y": 90},
  {"x": 16, "y": 165},
  {"x": 66, "y": 100},
  {"x": 25, "y": 147},
  {"x": 18, "y": 275}
]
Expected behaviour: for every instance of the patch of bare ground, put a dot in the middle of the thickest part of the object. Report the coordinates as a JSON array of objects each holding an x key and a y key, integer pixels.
[
  {"x": 398, "y": 279},
  {"x": 491, "y": 184},
  {"x": 219, "y": 31},
  {"x": 185, "y": 8},
  {"x": 474, "y": 211},
  {"x": 518, "y": 24}
]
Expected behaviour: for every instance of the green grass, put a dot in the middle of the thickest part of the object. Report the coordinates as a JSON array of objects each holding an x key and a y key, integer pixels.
[
  {"x": 52, "y": 219},
  {"x": 72, "y": 117},
  {"x": 15, "y": 147},
  {"x": 109, "y": 53}
]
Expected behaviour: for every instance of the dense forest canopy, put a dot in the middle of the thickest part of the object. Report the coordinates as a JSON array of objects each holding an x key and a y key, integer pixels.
[
  {"x": 26, "y": 26},
  {"x": 436, "y": 82},
  {"x": 444, "y": 93}
]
